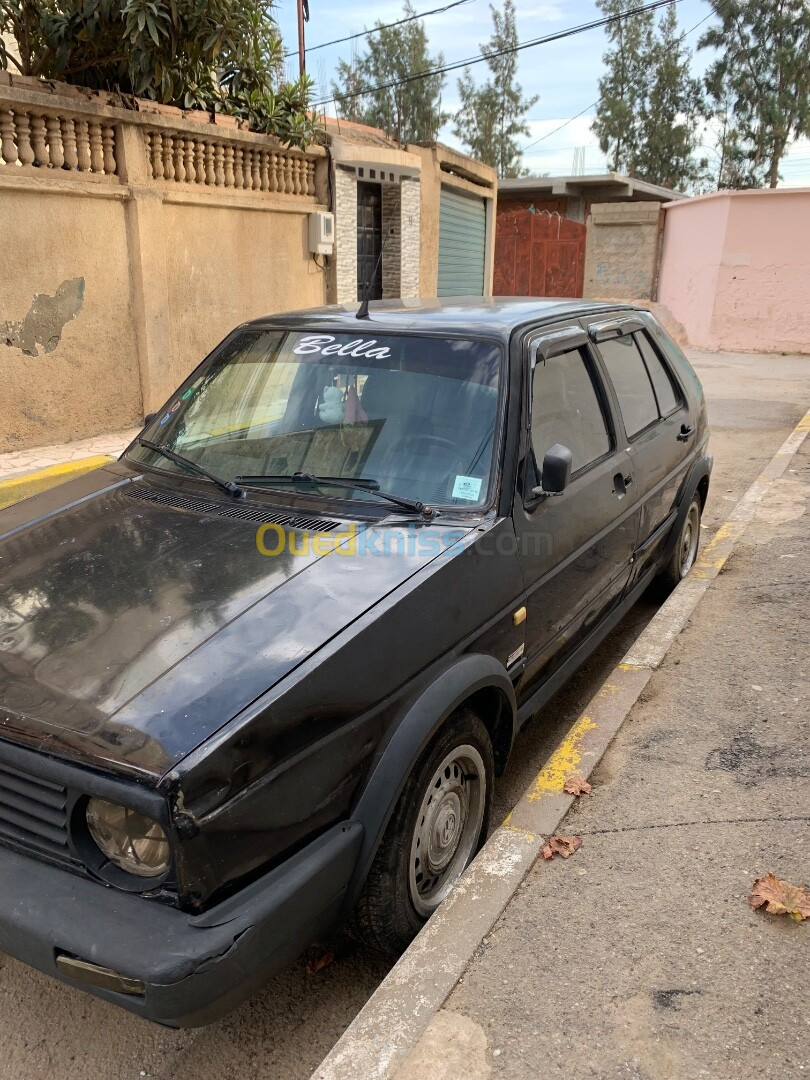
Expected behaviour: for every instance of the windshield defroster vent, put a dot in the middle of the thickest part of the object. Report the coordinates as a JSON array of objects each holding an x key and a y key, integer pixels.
[{"x": 258, "y": 514}]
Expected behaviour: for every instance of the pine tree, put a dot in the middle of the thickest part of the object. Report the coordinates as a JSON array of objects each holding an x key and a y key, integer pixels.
[
  {"x": 764, "y": 67},
  {"x": 733, "y": 154},
  {"x": 648, "y": 116},
  {"x": 349, "y": 98},
  {"x": 492, "y": 116},
  {"x": 408, "y": 112},
  {"x": 624, "y": 88},
  {"x": 669, "y": 115}
]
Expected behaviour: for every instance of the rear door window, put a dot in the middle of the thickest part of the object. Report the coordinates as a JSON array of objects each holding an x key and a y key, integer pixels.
[
  {"x": 566, "y": 410},
  {"x": 631, "y": 382},
  {"x": 665, "y": 393}
]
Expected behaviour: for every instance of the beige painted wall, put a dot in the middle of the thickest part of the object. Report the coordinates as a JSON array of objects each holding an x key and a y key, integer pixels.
[
  {"x": 71, "y": 369},
  {"x": 226, "y": 265},
  {"x": 115, "y": 281},
  {"x": 735, "y": 269}
]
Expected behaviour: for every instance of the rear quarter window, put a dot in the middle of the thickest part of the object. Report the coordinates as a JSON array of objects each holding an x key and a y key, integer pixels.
[{"x": 665, "y": 393}]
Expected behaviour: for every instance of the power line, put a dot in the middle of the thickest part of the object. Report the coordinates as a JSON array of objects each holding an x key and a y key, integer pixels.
[
  {"x": 563, "y": 125},
  {"x": 481, "y": 57},
  {"x": 377, "y": 29},
  {"x": 595, "y": 103}
]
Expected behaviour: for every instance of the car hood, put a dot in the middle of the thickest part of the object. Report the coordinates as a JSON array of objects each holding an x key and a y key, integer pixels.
[{"x": 132, "y": 629}]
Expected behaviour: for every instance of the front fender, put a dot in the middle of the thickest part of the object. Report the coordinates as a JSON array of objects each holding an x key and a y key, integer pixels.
[{"x": 464, "y": 677}]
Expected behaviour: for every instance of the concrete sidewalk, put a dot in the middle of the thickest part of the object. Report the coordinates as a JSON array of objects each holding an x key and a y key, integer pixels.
[
  {"x": 639, "y": 957},
  {"x": 16, "y": 463}
]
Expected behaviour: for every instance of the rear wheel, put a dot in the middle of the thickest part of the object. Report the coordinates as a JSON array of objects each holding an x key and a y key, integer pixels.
[
  {"x": 683, "y": 556},
  {"x": 438, "y": 825}
]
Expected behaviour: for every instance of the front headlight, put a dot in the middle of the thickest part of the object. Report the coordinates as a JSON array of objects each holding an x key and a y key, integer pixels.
[{"x": 135, "y": 843}]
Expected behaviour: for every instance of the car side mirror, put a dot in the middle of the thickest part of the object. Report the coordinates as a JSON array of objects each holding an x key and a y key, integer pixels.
[
  {"x": 556, "y": 471},
  {"x": 147, "y": 420}
]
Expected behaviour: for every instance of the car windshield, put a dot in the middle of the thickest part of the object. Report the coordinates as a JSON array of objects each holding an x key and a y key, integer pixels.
[{"x": 416, "y": 415}]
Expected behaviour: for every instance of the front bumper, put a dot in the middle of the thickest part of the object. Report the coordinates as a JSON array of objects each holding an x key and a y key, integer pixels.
[{"x": 194, "y": 967}]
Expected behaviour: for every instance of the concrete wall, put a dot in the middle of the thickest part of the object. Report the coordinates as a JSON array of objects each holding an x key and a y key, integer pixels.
[
  {"x": 68, "y": 353},
  {"x": 735, "y": 269},
  {"x": 622, "y": 250},
  {"x": 225, "y": 265},
  {"x": 130, "y": 244}
]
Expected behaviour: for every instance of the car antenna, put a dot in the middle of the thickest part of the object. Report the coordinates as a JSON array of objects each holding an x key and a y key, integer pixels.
[{"x": 362, "y": 311}]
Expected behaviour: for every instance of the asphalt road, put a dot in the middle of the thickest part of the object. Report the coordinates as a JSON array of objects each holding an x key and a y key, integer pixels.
[{"x": 49, "y": 1030}]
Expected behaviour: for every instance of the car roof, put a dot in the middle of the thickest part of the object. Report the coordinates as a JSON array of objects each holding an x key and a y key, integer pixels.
[{"x": 477, "y": 315}]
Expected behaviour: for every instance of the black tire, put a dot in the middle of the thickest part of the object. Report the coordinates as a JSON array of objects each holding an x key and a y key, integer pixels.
[
  {"x": 388, "y": 914},
  {"x": 686, "y": 548}
]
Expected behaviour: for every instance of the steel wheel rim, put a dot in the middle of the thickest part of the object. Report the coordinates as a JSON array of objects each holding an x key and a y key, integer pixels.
[
  {"x": 447, "y": 828},
  {"x": 689, "y": 539}
]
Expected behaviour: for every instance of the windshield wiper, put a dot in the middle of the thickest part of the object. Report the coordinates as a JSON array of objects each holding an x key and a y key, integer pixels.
[
  {"x": 226, "y": 485},
  {"x": 366, "y": 483}
]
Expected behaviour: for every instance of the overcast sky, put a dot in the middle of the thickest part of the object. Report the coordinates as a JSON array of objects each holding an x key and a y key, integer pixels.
[{"x": 565, "y": 74}]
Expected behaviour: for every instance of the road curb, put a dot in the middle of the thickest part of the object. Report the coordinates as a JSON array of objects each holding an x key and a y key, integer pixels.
[
  {"x": 376, "y": 1043},
  {"x": 32, "y": 483}
]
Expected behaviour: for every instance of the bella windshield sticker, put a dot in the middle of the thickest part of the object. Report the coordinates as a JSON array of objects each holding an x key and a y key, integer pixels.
[
  {"x": 467, "y": 487},
  {"x": 326, "y": 345}
]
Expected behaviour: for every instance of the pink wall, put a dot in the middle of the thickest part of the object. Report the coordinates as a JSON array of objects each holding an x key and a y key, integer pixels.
[{"x": 735, "y": 269}]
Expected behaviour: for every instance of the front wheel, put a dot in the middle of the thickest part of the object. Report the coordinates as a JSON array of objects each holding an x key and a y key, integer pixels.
[
  {"x": 683, "y": 557},
  {"x": 438, "y": 825}
]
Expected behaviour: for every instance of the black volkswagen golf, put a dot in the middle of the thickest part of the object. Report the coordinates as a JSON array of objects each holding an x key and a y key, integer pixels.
[{"x": 258, "y": 676}]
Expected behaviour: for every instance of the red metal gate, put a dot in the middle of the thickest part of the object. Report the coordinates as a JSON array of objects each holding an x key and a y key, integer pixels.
[{"x": 537, "y": 253}]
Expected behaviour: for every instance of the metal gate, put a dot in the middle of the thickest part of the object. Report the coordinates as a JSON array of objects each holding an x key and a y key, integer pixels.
[
  {"x": 462, "y": 244},
  {"x": 369, "y": 240},
  {"x": 538, "y": 253}
]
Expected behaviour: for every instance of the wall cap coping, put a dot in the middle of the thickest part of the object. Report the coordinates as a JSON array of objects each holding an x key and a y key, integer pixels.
[
  {"x": 356, "y": 154},
  {"x": 645, "y": 212},
  {"x": 627, "y": 186},
  {"x": 453, "y": 161},
  {"x": 351, "y": 127},
  {"x": 745, "y": 193}
]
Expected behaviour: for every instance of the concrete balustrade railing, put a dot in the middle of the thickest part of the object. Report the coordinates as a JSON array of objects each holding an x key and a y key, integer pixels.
[
  {"x": 193, "y": 159},
  {"x": 32, "y": 139},
  {"x": 51, "y": 129}
]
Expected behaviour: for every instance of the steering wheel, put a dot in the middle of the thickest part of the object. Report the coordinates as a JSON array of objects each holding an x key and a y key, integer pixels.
[{"x": 436, "y": 441}]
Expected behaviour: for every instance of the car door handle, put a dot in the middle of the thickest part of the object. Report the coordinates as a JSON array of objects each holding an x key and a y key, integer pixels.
[
  {"x": 685, "y": 432},
  {"x": 621, "y": 483}
]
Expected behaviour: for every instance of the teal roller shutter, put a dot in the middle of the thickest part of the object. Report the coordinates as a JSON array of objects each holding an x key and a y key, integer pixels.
[{"x": 462, "y": 244}]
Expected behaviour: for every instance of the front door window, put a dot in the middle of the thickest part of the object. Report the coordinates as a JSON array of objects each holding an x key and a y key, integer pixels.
[{"x": 566, "y": 410}]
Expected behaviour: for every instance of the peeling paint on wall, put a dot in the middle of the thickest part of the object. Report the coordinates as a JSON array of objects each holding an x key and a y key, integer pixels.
[{"x": 46, "y": 319}]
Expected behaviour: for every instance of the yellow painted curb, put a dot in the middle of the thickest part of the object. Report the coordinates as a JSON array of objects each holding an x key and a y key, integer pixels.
[
  {"x": 23, "y": 487},
  {"x": 563, "y": 763}
]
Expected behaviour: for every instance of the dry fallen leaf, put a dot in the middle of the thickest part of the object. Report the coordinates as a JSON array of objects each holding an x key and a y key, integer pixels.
[
  {"x": 576, "y": 785},
  {"x": 561, "y": 845},
  {"x": 780, "y": 898},
  {"x": 318, "y": 959}
]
